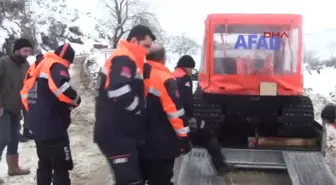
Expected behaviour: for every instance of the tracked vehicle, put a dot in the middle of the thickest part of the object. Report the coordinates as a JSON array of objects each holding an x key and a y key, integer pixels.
[{"x": 250, "y": 90}]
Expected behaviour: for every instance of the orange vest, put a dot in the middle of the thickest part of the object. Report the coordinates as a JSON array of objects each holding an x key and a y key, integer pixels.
[
  {"x": 157, "y": 78},
  {"x": 43, "y": 71},
  {"x": 179, "y": 72},
  {"x": 137, "y": 56}
]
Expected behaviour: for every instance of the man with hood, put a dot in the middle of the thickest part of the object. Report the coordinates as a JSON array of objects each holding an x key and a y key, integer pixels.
[
  {"x": 12, "y": 71},
  {"x": 49, "y": 98},
  {"x": 200, "y": 133},
  {"x": 27, "y": 135}
]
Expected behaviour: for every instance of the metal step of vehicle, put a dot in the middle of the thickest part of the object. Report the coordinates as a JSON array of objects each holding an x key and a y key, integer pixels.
[
  {"x": 308, "y": 168},
  {"x": 253, "y": 158},
  {"x": 196, "y": 169}
]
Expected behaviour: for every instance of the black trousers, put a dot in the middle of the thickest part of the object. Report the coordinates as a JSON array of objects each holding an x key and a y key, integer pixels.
[
  {"x": 206, "y": 138},
  {"x": 157, "y": 172},
  {"x": 54, "y": 163},
  {"x": 123, "y": 158}
]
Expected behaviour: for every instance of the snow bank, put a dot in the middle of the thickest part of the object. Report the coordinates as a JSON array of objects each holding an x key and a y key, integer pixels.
[
  {"x": 322, "y": 83},
  {"x": 98, "y": 58},
  {"x": 81, "y": 48}
]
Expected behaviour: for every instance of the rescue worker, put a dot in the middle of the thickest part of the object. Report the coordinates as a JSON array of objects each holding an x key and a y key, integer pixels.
[
  {"x": 12, "y": 70},
  {"x": 27, "y": 135},
  {"x": 49, "y": 99},
  {"x": 167, "y": 130},
  {"x": 120, "y": 105},
  {"x": 200, "y": 134}
]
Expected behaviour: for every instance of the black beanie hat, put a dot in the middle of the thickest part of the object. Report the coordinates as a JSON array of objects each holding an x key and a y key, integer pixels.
[
  {"x": 186, "y": 61},
  {"x": 66, "y": 51},
  {"x": 21, "y": 43}
]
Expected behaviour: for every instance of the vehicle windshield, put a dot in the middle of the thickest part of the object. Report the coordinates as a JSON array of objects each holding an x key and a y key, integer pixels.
[{"x": 243, "y": 49}]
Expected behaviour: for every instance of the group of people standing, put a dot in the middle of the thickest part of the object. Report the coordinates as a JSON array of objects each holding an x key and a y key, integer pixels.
[{"x": 144, "y": 112}]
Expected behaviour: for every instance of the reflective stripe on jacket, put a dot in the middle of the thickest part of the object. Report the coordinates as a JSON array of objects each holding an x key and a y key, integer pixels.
[
  {"x": 120, "y": 103},
  {"x": 166, "y": 117}
]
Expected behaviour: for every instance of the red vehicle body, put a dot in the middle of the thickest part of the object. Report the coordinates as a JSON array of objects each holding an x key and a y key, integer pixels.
[
  {"x": 253, "y": 92},
  {"x": 289, "y": 81}
]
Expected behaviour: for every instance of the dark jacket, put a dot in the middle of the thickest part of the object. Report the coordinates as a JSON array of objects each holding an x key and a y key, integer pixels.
[
  {"x": 50, "y": 105},
  {"x": 185, "y": 86},
  {"x": 120, "y": 103},
  {"x": 12, "y": 73}
]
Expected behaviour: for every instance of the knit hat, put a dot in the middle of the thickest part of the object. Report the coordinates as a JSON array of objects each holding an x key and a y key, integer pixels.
[
  {"x": 186, "y": 61},
  {"x": 21, "y": 43},
  {"x": 66, "y": 51}
]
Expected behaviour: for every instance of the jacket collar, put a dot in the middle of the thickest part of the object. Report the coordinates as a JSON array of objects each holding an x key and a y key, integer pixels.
[
  {"x": 137, "y": 51},
  {"x": 158, "y": 66},
  {"x": 58, "y": 58},
  {"x": 181, "y": 70},
  {"x": 18, "y": 60}
]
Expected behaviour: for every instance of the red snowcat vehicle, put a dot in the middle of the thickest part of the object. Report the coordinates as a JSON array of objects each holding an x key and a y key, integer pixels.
[{"x": 250, "y": 90}]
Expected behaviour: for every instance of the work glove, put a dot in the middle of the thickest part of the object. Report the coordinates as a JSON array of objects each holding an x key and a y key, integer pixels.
[
  {"x": 185, "y": 145},
  {"x": 196, "y": 124},
  {"x": 71, "y": 107}
]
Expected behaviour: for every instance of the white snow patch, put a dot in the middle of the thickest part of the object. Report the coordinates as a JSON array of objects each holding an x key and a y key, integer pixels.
[
  {"x": 8, "y": 28},
  {"x": 322, "y": 83},
  {"x": 81, "y": 48}
]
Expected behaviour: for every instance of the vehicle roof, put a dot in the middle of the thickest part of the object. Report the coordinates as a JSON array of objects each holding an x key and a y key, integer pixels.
[{"x": 265, "y": 16}]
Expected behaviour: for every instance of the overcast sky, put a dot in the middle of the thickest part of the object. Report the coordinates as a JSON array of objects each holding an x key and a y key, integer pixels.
[{"x": 187, "y": 16}]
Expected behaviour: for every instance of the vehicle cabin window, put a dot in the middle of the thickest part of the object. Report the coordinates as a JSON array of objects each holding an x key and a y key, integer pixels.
[{"x": 255, "y": 54}]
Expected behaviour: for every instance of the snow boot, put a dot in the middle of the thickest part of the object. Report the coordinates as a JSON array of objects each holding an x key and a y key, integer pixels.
[
  {"x": 13, "y": 166},
  {"x": 22, "y": 139},
  {"x": 27, "y": 134}
]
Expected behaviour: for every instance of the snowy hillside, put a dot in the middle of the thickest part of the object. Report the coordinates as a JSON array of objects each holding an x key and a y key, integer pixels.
[
  {"x": 49, "y": 24},
  {"x": 323, "y": 43}
]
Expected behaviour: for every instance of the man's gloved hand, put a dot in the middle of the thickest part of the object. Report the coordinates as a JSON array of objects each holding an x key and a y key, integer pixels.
[
  {"x": 196, "y": 124},
  {"x": 79, "y": 100},
  {"x": 185, "y": 145},
  {"x": 71, "y": 107},
  {"x": 192, "y": 123}
]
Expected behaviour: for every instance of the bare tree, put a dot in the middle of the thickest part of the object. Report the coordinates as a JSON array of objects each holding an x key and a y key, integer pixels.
[
  {"x": 182, "y": 45},
  {"x": 123, "y": 15}
]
